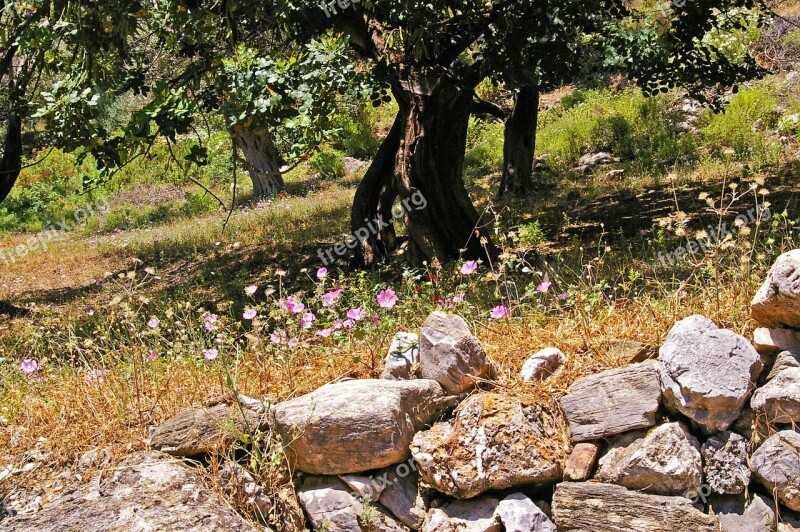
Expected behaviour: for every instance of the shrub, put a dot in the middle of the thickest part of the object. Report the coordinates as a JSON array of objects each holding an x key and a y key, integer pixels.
[
  {"x": 734, "y": 126},
  {"x": 328, "y": 163}
]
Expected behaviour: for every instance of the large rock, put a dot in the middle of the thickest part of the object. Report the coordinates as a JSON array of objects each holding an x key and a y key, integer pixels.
[
  {"x": 590, "y": 506},
  {"x": 518, "y": 513},
  {"x": 330, "y": 504},
  {"x": 542, "y": 364},
  {"x": 612, "y": 402},
  {"x": 356, "y": 425},
  {"x": 494, "y": 442},
  {"x": 201, "y": 430},
  {"x": 403, "y": 355},
  {"x": 725, "y": 463},
  {"x": 776, "y": 465},
  {"x": 784, "y": 360},
  {"x": 401, "y": 495},
  {"x": 477, "y": 515},
  {"x": 665, "y": 460},
  {"x": 707, "y": 373},
  {"x": 768, "y": 341},
  {"x": 451, "y": 355},
  {"x": 147, "y": 491},
  {"x": 779, "y": 399},
  {"x": 777, "y": 303},
  {"x": 758, "y": 516}
]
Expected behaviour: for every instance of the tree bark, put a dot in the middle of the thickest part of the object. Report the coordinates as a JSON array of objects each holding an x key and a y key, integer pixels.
[
  {"x": 519, "y": 144},
  {"x": 262, "y": 160},
  {"x": 11, "y": 161}
]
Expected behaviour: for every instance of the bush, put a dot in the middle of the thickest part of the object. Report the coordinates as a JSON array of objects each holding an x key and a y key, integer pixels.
[
  {"x": 357, "y": 137},
  {"x": 734, "y": 126},
  {"x": 328, "y": 163}
]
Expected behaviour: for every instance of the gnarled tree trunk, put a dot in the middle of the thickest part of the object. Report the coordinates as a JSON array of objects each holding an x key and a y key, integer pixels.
[
  {"x": 519, "y": 144},
  {"x": 11, "y": 161},
  {"x": 262, "y": 160}
]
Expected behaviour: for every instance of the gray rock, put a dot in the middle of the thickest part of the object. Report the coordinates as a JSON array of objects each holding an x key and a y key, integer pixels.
[
  {"x": 146, "y": 491},
  {"x": 357, "y": 425},
  {"x": 784, "y": 360},
  {"x": 401, "y": 496},
  {"x": 202, "y": 430},
  {"x": 768, "y": 341},
  {"x": 363, "y": 486},
  {"x": 542, "y": 364},
  {"x": 777, "y": 303},
  {"x": 403, "y": 355},
  {"x": 451, "y": 355},
  {"x": 725, "y": 463},
  {"x": 631, "y": 351},
  {"x": 758, "y": 516},
  {"x": 494, "y": 442},
  {"x": 518, "y": 513},
  {"x": 779, "y": 399},
  {"x": 594, "y": 506},
  {"x": 665, "y": 460},
  {"x": 581, "y": 461},
  {"x": 776, "y": 465},
  {"x": 353, "y": 165},
  {"x": 707, "y": 373},
  {"x": 612, "y": 402},
  {"x": 476, "y": 515},
  {"x": 329, "y": 504}
]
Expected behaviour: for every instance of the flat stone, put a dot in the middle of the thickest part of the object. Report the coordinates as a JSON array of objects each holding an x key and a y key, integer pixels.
[
  {"x": 518, "y": 513},
  {"x": 494, "y": 442},
  {"x": 330, "y": 504},
  {"x": 612, "y": 402},
  {"x": 777, "y": 303},
  {"x": 595, "y": 506},
  {"x": 779, "y": 399},
  {"x": 581, "y": 462},
  {"x": 542, "y": 364},
  {"x": 631, "y": 351},
  {"x": 401, "y": 495},
  {"x": 665, "y": 460},
  {"x": 356, "y": 425},
  {"x": 784, "y": 360},
  {"x": 363, "y": 486},
  {"x": 707, "y": 373},
  {"x": 402, "y": 358},
  {"x": 768, "y": 341},
  {"x": 725, "y": 463},
  {"x": 202, "y": 430},
  {"x": 146, "y": 491},
  {"x": 776, "y": 465},
  {"x": 451, "y": 355},
  {"x": 475, "y": 515}
]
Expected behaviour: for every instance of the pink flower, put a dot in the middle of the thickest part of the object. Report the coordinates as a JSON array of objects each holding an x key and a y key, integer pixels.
[
  {"x": 249, "y": 313},
  {"x": 468, "y": 268},
  {"x": 348, "y": 324},
  {"x": 563, "y": 296},
  {"x": 210, "y": 354},
  {"x": 387, "y": 298},
  {"x": 322, "y": 273},
  {"x": 498, "y": 312},
  {"x": 90, "y": 310},
  {"x": 153, "y": 323},
  {"x": 356, "y": 314},
  {"x": 325, "y": 332},
  {"x": 329, "y": 299},
  {"x": 250, "y": 290},
  {"x": 459, "y": 298},
  {"x": 294, "y": 306},
  {"x": 544, "y": 286},
  {"x": 210, "y": 322},
  {"x": 28, "y": 366},
  {"x": 308, "y": 320},
  {"x": 277, "y": 337},
  {"x": 154, "y": 355},
  {"x": 96, "y": 376},
  {"x": 293, "y": 342},
  {"x": 337, "y": 324}
]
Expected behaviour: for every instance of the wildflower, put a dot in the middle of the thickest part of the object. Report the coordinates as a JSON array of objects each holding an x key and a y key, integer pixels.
[
  {"x": 468, "y": 268},
  {"x": 329, "y": 299},
  {"x": 387, "y": 298},
  {"x": 154, "y": 355},
  {"x": 249, "y": 313},
  {"x": 544, "y": 286},
  {"x": 348, "y": 324},
  {"x": 277, "y": 337},
  {"x": 337, "y": 324},
  {"x": 459, "y": 298},
  {"x": 210, "y": 322},
  {"x": 210, "y": 354},
  {"x": 356, "y": 314},
  {"x": 96, "y": 376},
  {"x": 90, "y": 310},
  {"x": 153, "y": 323},
  {"x": 437, "y": 300},
  {"x": 322, "y": 273},
  {"x": 293, "y": 342},
  {"x": 325, "y": 332},
  {"x": 498, "y": 312},
  {"x": 308, "y": 320},
  {"x": 294, "y": 306},
  {"x": 28, "y": 366},
  {"x": 250, "y": 290},
  {"x": 563, "y": 296},
  {"x": 374, "y": 321}
]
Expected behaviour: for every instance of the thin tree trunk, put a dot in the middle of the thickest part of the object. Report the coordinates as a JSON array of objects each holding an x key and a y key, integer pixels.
[
  {"x": 519, "y": 144},
  {"x": 262, "y": 160},
  {"x": 11, "y": 161}
]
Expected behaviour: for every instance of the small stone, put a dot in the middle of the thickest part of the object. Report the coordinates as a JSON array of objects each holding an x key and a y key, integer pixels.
[
  {"x": 665, "y": 460},
  {"x": 631, "y": 351},
  {"x": 777, "y": 303},
  {"x": 725, "y": 463},
  {"x": 451, "y": 355},
  {"x": 542, "y": 364},
  {"x": 776, "y": 465},
  {"x": 401, "y": 494},
  {"x": 363, "y": 486},
  {"x": 403, "y": 355},
  {"x": 475, "y": 515},
  {"x": 784, "y": 360},
  {"x": 519, "y": 514},
  {"x": 612, "y": 402},
  {"x": 779, "y": 399},
  {"x": 329, "y": 504},
  {"x": 768, "y": 341},
  {"x": 580, "y": 463}
]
